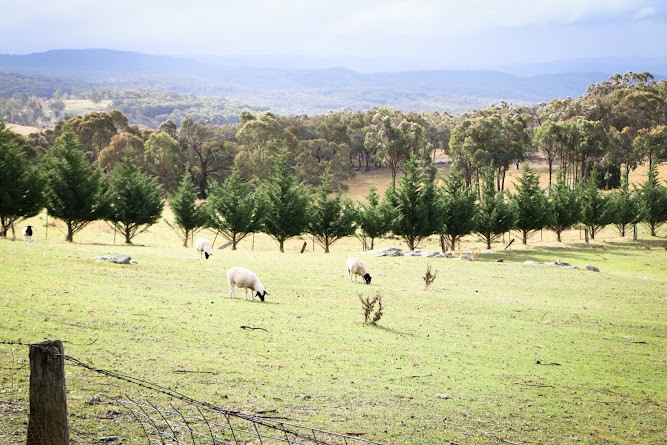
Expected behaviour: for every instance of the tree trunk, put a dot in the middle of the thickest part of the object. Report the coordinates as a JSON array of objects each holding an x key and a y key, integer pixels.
[
  {"x": 282, "y": 244},
  {"x": 558, "y": 236},
  {"x": 70, "y": 232},
  {"x": 524, "y": 237}
]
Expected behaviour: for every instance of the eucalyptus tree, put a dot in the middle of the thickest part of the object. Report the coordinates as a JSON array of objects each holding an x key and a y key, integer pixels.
[
  {"x": 549, "y": 138},
  {"x": 164, "y": 159},
  {"x": 592, "y": 144},
  {"x": 74, "y": 189},
  {"x": 122, "y": 144},
  {"x": 652, "y": 144},
  {"x": 316, "y": 156},
  {"x": 207, "y": 148},
  {"x": 387, "y": 137},
  {"x": 260, "y": 139},
  {"x": 495, "y": 136},
  {"x": 93, "y": 131}
]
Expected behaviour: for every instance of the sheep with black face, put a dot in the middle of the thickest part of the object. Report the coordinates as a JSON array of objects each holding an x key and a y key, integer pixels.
[
  {"x": 356, "y": 267},
  {"x": 27, "y": 234},
  {"x": 203, "y": 246},
  {"x": 245, "y": 279}
]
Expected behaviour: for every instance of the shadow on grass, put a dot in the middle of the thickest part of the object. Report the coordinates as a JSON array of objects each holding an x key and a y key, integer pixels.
[
  {"x": 570, "y": 253},
  {"x": 390, "y": 330}
]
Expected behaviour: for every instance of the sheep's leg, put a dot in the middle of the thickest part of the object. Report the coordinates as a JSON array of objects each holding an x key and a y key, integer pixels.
[{"x": 232, "y": 294}]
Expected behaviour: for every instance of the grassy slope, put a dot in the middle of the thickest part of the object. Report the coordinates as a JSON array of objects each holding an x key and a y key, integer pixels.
[{"x": 442, "y": 365}]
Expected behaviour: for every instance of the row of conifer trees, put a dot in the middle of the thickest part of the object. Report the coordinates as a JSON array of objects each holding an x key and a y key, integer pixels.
[{"x": 75, "y": 192}]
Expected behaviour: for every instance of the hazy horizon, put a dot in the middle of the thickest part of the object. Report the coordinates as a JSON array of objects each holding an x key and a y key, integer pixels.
[{"x": 371, "y": 35}]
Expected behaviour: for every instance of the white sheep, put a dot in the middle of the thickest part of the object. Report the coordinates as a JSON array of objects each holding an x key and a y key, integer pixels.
[
  {"x": 27, "y": 234},
  {"x": 245, "y": 279},
  {"x": 356, "y": 267},
  {"x": 203, "y": 246}
]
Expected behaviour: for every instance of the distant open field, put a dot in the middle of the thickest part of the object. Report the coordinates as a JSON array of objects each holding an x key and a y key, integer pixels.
[{"x": 491, "y": 352}]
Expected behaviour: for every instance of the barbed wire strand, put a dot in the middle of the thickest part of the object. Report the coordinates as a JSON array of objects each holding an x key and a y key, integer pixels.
[{"x": 256, "y": 420}]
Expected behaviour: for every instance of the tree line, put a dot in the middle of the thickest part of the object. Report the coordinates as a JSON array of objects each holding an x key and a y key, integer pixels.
[
  {"x": 596, "y": 139},
  {"x": 77, "y": 191}
]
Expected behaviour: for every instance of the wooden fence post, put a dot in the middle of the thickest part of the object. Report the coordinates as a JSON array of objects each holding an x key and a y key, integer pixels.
[{"x": 47, "y": 423}]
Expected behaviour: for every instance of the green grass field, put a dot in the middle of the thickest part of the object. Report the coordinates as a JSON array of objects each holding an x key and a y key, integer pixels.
[{"x": 491, "y": 352}]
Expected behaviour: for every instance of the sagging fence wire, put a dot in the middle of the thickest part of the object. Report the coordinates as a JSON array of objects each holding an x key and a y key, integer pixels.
[{"x": 160, "y": 415}]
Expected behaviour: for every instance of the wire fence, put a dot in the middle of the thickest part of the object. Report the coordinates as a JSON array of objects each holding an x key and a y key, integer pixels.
[{"x": 108, "y": 407}]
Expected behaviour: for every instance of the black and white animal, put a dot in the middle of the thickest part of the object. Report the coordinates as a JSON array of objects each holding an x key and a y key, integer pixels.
[
  {"x": 356, "y": 267},
  {"x": 245, "y": 279},
  {"x": 27, "y": 233},
  {"x": 203, "y": 246}
]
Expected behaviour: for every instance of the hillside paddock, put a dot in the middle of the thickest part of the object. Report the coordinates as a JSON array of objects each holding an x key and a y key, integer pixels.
[{"x": 491, "y": 352}]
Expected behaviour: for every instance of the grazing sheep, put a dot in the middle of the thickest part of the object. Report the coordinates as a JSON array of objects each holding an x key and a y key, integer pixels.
[
  {"x": 356, "y": 267},
  {"x": 244, "y": 279},
  {"x": 27, "y": 234},
  {"x": 203, "y": 246}
]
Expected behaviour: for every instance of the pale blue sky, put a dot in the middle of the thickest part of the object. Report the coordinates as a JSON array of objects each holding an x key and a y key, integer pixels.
[{"x": 419, "y": 34}]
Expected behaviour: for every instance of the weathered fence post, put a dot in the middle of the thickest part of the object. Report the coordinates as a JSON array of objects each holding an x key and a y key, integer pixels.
[
  {"x": 47, "y": 424},
  {"x": 304, "y": 246}
]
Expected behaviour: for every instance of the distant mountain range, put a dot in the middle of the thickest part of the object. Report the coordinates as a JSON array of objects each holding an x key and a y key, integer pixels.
[{"x": 318, "y": 90}]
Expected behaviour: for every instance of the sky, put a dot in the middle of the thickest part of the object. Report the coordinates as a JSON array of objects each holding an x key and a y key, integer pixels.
[{"x": 405, "y": 34}]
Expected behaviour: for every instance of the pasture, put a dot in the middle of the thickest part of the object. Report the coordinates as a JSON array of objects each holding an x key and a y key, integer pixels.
[{"x": 491, "y": 352}]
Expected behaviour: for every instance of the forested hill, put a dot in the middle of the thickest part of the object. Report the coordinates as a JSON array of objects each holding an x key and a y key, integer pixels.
[{"x": 310, "y": 91}]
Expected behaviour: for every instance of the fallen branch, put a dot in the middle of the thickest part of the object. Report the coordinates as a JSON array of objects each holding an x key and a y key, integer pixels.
[
  {"x": 195, "y": 372},
  {"x": 533, "y": 384},
  {"x": 537, "y": 362},
  {"x": 250, "y": 327},
  {"x": 500, "y": 439},
  {"x": 419, "y": 376}
]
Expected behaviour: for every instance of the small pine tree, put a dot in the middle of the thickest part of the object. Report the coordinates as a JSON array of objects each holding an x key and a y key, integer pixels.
[
  {"x": 188, "y": 217},
  {"x": 459, "y": 211},
  {"x": 415, "y": 204},
  {"x": 134, "y": 200},
  {"x": 235, "y": 209},
  {"x": 531, "y": 206},
  {"x": 653, "y": 200},
  {"x": 286, "y": 203},
  {"x": 594, "y": 212},
  {"x": 564, "y": 206},
  {"x": 623, "y": 207},
  {"x": 373, "y": 218},
  {"x": 494, "y": 215},
  {"x": 73, "y": 187},
  {"x": 21, "y": 186},
  {"x": 331, "y": 217}
]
